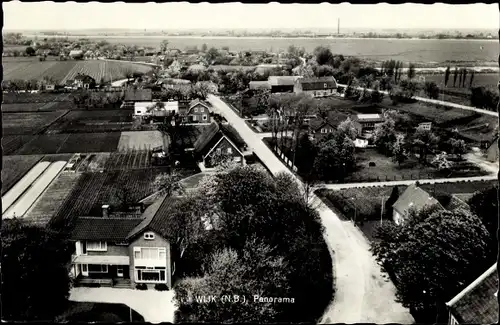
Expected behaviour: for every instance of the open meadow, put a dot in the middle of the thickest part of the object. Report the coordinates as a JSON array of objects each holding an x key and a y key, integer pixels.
[
  {"x": 61, "y": 71},
  {"x": 28, "y": 123},
  {"x": 480, "y": 79}
]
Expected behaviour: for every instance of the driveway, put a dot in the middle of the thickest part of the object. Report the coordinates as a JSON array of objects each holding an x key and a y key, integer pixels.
[
  {"x": 362, "y": 292},
  {"x": 154, "y": 306},
  {"x": 478, "y": 159}
]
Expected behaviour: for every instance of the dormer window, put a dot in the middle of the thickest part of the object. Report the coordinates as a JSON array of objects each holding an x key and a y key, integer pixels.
[{"x": 149, "y": 236}]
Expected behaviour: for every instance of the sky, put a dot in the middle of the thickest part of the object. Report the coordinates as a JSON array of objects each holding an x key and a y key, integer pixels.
[{"x": 183, "y": 15}]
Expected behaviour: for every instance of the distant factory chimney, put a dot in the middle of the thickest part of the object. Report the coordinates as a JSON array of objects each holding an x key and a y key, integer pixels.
[{"x": 338, "y": 26}]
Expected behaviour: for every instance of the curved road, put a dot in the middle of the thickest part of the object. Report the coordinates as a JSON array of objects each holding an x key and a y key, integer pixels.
[{"x": 363, "y": 294}]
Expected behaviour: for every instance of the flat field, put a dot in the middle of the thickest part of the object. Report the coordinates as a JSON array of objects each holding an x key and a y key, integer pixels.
[
  {"x": 131, "y": 159},
  {"x": 436, "y": 115},
  {"x": 15, "y": 167},
  {"x": 11, "y": 143},
  {"x": 71, "y": 143},
  {"x": 61, "y": 71},
  {"x": 15, "y": 97},
  {"x": 141, "y": 140},
  {"x": 28, "y": 123},
  {"x": 480, "y": 79},
  {"x": 93, "y": 121}
]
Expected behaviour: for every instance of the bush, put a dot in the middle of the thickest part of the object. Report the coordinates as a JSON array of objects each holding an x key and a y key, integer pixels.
[
  {"x": 161, "y": 287},
  {"x": 141, "y": 286},
  {"x": 371, "y": 164}
]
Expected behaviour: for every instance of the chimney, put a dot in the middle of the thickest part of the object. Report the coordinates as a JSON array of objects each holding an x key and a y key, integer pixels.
[{"x": 105, "y": 211}]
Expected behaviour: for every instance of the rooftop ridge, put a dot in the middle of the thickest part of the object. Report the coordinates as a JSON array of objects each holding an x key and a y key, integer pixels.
[{"x": 471, "y": 286}]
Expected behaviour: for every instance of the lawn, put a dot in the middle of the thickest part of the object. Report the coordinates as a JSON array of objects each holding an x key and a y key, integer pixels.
[
  {"x": 15, "y": 167},
  {"x": 28, "y": 123},
  {"x": 141, "y": 140},
  {"x": 89, "y": 312},
  {"x": 431, "y": 113}
]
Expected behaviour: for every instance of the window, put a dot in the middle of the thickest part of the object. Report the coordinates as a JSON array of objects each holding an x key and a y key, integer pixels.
[
  {"x": 150, "y": 253},
  {"x": 96, "y": 246},
  {"x": 326, "y": 85},
  {"x": 139, "y": 111},
  {"x": 229, "y": 150},
  {"x": 331, "y": 130},
  {"x": 196, "y": 109},
  {"x": 204, "y": 117},
  {"x": 195, "y": 118},
  {"x": 324, "y": 130},
  {"x": 97, "y": 268},
  {"x": 218, "y": 150},
  {"x": 84, "y": 268},
  {"x": 149, "y": 236},
  {"x": 150, "y": 275}
]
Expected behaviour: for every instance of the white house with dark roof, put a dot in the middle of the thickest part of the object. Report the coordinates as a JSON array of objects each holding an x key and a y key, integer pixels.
[{"x": 413, "y": 198}]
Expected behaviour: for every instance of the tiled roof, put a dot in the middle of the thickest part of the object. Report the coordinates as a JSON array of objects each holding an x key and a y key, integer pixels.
[
  {"x": 333, "y": 119},
  {"x": 148, "y": 215},
  {"x": 214, "y": 132},
  {"x": 414, "y": 197},
  {"x": 106, "y": 229},
  {"x": 207, "y": 136},
  {"x": 197, "y": 101},
  {"x": 142, "y": 95},
  {"x": 162, "y": 221},
  {"x": 477, "y": 304},
  {"x": 259, "y": 85},
  {"x": 318, "y": 83},
  {"x": 368, "y": 118}
]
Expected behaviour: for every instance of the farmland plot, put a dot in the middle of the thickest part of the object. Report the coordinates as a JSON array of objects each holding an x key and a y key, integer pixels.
[
  {"x": 44, "y": 144},
  {"x": 28, "y": 123},
  {"x": 93, "y": 121},
  {"x": 22, "y": 107},
  {"x": 132, "y": 159},
  {"x": 15, "y": 167},
  {"x": 53, "y": 198},
  {"x": 437, "y": 115},
  {"x": 141, "y": 140},
  {"x": 11, "y": 143},
  {"x": 91, "y": 142},
  {"x": 16, "y": 98}
]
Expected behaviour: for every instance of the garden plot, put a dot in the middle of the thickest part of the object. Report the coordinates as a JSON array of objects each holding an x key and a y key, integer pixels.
[{"x": 142, "y": 140}]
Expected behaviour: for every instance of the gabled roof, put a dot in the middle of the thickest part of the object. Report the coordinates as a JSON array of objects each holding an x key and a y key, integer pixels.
[
  {"x": 142, "y": 95},
  {"x": 105, "y": 229},
  {"x": 477, "y": 303},
  {"x": 148, "y": 216},
  {"x": 282, "y": 80},
  {"x": 333, "y": 119},
  {"x": 214, "y": 133},
  {"x": 414, "y": 197},
  {"x": 318, "y": 83},
  {"x": 195, "y": 102}
]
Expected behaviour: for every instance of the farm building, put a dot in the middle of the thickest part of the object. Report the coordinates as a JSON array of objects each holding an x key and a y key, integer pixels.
[
  {"x": 132, "y": 95},
  {"x": 366, "y": 122},
  {"x": 282, "y": 84},
  {"x": 217, "y": 143},
  {"x": 76, "y": 54},
  {"x": 126, "y": 250},
  {"x": 198, "y": 111},
  {"x": 478, "y": 302},
  {"x": 413, "y": 198},
  {"x": 316, "y": 87},
  {"x": 255, "y": 85},
  {"x": 156, "y": 108},
  {"x": 84, "y": 81}
]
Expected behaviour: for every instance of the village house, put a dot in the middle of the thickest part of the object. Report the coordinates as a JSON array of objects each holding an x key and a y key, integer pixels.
[
  {"x": 478, "y": 302},
  {"x": 282, "y": 84},
  {"x": 219, "y": 139},
  {"x": 132, "y": 95},
  {"x": 413, "y": 198},
  {"x": 125, "y": 249},
  {"x": 198, "y": 111},
  {"x": 156, "y": 109},
  {"x": 84, "y": 81},
  {"x": 322, "y": 126},
  {"x": 492, "y": 151},
  {"x": 76, "y": 54},
  {"x": 316, "y": 87},
  {"x": 365, "y": 123}
]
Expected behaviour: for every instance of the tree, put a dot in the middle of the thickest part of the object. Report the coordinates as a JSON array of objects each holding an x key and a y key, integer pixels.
[
  {"x": 464, "y": 77},
  {"x": 334, "y": 159},
  {"x": 411, "y": 71},
  {"x": 446, "y": 76},
  {"x": 460, "y": 77},
  {"x": 323, "y": 56},
  {"x": 484, "y": 98},
  {"x": 391, "y": 200},
  {"x": 455, "y": 75},
  {"x": 346, "y": 129},
  {"x": 38, "y": 258},
  {"x": 164, "y": 46},
  {"x": 204, "y": 47},
  {"x": 399, "y": 153},
  {"x": 441, "y": 162},
  {"x": 458, "y": 147},
  {"x": 432, "y": 257},
  {"x": 471, "y": 79},
  {"x": 426, "y": 141},
  {"x": 211, "y": 54},
  {"x": 484, "y": 204},
  {"x": 431, "y": 89},
  {"x": 384, "y": 136},
  {"x": 30, "y": 51}
]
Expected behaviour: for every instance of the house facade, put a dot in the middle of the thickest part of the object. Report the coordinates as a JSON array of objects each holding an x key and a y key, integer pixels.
[
  {"x": 282, "y": 84},
  {"x": 219, "y": 140},
  {"x": 84, "y": 81},
  {"x": 198, "y": 111},
  {"x": 492, "y": 151},
  {"x": 366, "y": 122},
  {"x": 478, "y": 302},
  {"x": 316, "y": 87},
  {"x": 413, "y": 198},
  {"x": 320, "y": 127},
  {"x": 122, "y": 251},
  {"x": 159, "y": 109}
]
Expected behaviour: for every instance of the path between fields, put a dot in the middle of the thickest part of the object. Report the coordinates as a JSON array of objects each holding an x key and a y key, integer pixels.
[
  {"x": 440, "y": 102},
  {"x": 362, "y": 292}
]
